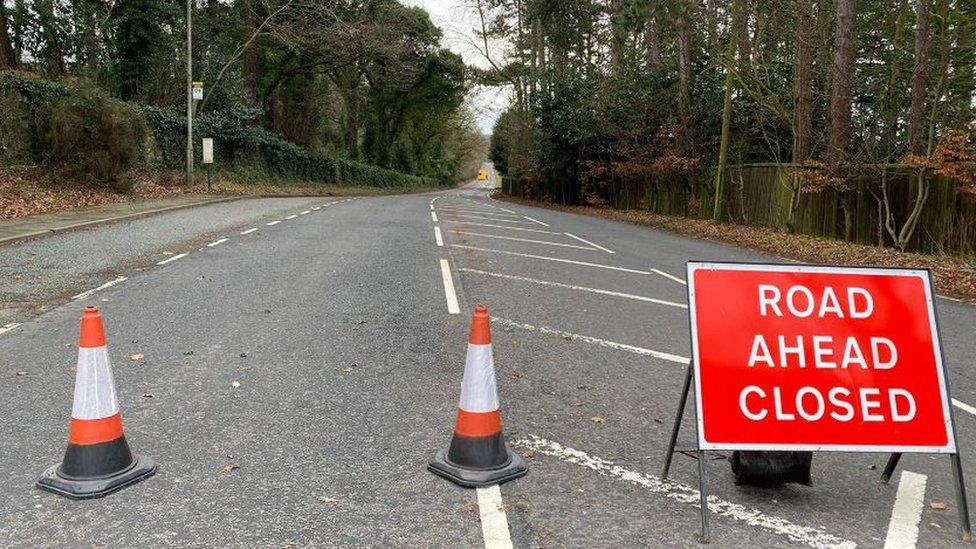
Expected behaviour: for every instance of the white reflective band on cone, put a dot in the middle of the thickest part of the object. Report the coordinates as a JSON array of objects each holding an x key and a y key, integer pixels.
[
  {"x": 94, "y": 386},
  {"x": 478, "y": 392}
]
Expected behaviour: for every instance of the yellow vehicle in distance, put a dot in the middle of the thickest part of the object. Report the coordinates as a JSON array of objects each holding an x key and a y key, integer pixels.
[{"x": 482, "y": 175}]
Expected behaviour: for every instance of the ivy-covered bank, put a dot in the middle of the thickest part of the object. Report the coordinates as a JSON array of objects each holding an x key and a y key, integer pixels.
[{"x": 89, "y": 136}]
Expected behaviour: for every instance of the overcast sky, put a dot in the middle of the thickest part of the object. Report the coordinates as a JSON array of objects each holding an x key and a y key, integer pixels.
[{"x": 458, "y": 24}]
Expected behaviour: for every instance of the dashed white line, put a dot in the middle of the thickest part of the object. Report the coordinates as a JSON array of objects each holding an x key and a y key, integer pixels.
[
  {"x": 316, "y": 208},
  {"x": 273, "y": 223},
  {"x": 523, "y": 240},
  {"x": 249, "y": 231},
  {"x": 536, "y": 221},
  {"x": 7, "y": 327},
  {"x": 666, "y": 275},
  {"x": 466, "y": 223},
  {"x": 813, "y": 537},
  {"x": 494, "y": 522},
  {"x": 964, "y": 407},
  {"x": 593, "y": 340},
  {"x": 907, "y": 512},
  {"x": 438, "y": 237},
  {"x": 449, "y": 293},
  {"x": 597, "y": 246},
  {"x": 433, "y": 216},
  {"x": 574, "y": 287},
  {"x": 306, "y": 212},
  {"x": 169, "y": 259},
  {"x": 292, "y": 216},
  {"x": 217, "y": 242},
  {"x": 108, "y": 284},
  {"x": 557, "y": 259}
]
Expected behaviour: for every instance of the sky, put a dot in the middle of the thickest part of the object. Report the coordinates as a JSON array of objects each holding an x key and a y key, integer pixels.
[{"x": 459, "y": 23}]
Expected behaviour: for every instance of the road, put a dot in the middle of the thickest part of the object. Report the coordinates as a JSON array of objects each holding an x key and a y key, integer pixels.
[{"x": 295, "y": 379}]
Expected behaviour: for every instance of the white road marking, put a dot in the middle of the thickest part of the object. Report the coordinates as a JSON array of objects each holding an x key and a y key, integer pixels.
[
  {"x": 108, "y": 284},
  {"x": 217, "y": 242},
  {"x": 174, "y": 258},
  {"x": 574, "y": 287},
  {"x": 482, "y": 212},
  {"x": 666, "y": 275},
  {"x": 437, "y": 236},
  {"x": 316, "y": 208},
  {"x": 813, "y": 537},
  {"x": 306, "y": 212},
  {"x": 452, "y": 302},
  {"x": 505, "y": 210},
  {"x": 557, "y": 259},
  {"x": 584, "y": 241},
  {"x": 273, "y": 223},
  {"x": 500, "y": 227},
  {"x": 249, "y": 231},
  {"x": 292, "y": 216},
  {"x": 595, "y": 341},
  {"x": 524, "y": 240},
  {"x": 433, "y": 215},
  {"x": 492, "y": 219},
  {"x": 7, "y": 327},
  {"x": 964, "y": 407},
  {"x": 494, "y": 522},
  {"x": 536, "y": 221},
  {"x": 907, "y": 512}
]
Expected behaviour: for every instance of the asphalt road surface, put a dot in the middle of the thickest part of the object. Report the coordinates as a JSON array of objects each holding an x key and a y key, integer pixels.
[{"x": 294, "y": 379}]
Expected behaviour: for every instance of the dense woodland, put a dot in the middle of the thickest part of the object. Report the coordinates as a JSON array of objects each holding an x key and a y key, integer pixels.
[
  {"x": 361, "y": 80},
  {"x": 868, "y": 101}
]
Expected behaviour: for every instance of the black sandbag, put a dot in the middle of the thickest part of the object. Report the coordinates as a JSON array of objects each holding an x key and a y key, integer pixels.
[{"x": 768, "y": 468}]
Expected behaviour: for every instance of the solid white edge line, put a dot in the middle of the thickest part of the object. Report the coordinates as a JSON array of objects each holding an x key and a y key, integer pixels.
[
  {"x": 249, "y": 231},
  {"x": 682, "y": 493},
  {"x": 7, "y": 327},
  {"x": 574, "y": 287},
  {"x": 964, "y": 407},
  {"x": 557, "y": 259},
  {"x": 437, "y": 236},
  {"x": 449, "y": 293},
  {"x": 524, "y": 240},
  {"x": 273, "y": 223},
  {"x": 494, "y": 521},
  {"x": 217, "y": 242},
  {"x": 907, "y": 512},
  {"x": 433, "y": 216},
  {"x": 666, "y": 275},
  {"x": 292, "y": 216},
  {"x": 174, "y": 258},
  {"x": 536, "y": 221},
  {"x": 595, "y": 341},
  {"x": 108, "y": 284},
  {"x": 499, "y": 226},
  {"x": 584, "y": 241}
]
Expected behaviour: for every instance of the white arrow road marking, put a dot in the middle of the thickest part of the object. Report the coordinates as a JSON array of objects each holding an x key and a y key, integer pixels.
[
  {"x": 907, "y": 512},
  {"x": 494, "y": 522},
  {"x": 813, "y": 537}
]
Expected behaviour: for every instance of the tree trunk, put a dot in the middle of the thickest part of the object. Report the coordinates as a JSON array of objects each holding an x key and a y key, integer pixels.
[
  {"x": 802, "y": 101},
  {"x": 7, "y": 58},
  {"x": 652, "y": 43},
  {"x": 52, "y": 42},
  {"x": 842, "y": 76},
  {"x": 738, "y": 13},
  {"x": 920, "y": 78},
  {"x": 617, "y": 37},
  {"x": 250, "y": 61},
  {"x": 684, "y": 80}
]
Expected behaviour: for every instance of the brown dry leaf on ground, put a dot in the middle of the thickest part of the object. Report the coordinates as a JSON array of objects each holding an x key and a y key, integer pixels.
[
  {"x": 954, "y": 277},
  {"x": 939, "y": 505},
  {"x": 137, "y": 357}
]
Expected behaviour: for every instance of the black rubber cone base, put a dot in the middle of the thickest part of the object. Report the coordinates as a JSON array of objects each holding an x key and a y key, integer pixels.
[
  {"x": 87, "y": 488},
  {"x": 469, "y": 477},
  {"x": 771, "y": 468}
]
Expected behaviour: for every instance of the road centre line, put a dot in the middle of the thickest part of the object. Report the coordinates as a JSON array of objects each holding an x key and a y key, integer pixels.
[
  {"x": 524, "y": 240},
  {"x": 666, "y": 275},
  {"x": 536, "y": 221},
  {"x": 437, "y": 236},
  {"x": 7, "y": 327},
  {"x": 249, "y": 231},
  {"x": 273, "y": 223},
  {"x": 964, "y": 407},
  {"x": 316, "y": 208},
  {"x": 306, "y": 212},
  {"x": 597, "y": 246},
  {"x": 169, "y": 259},
  {"x": 574, "y": 287},
  {"x": 907, "y": 512},
  {"x": 556, "y": 259},
  {"x": 449, "y": 293},
  {"x": 217, "y": 242},
  {"x": 494, "y": 522},
  {"x": 500, "y": 226},
  {"x": 108, "y": 284},
  {"x": 593, "y": 340},
  {"x": 433, "y": 215},
  {"x": 682, "y": 493},
  {"x": 492, "y": 219},
  {"x": 292, "y": 216}
]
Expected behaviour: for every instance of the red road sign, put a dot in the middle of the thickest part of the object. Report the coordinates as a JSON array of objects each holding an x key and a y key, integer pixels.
[{"x": 791, "y": 357}]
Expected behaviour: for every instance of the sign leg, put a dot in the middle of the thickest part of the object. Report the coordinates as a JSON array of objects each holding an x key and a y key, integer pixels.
[
  {"x": 890, "y": 467},
  {"x": 961, "y": 502},
  {"x": 706, "y": 532},
  {"x": 677, "y": 424}
]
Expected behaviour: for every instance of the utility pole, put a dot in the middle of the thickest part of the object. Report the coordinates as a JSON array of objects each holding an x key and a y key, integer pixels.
[{"x": 189, "y": 92}]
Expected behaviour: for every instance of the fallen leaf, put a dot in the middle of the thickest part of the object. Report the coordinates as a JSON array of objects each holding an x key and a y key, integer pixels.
[
  {"x": 516, "y": 375},
  {"x": 597, "y": 419},
  {"x": 235, "y": 384},
  {"x": 244, "y": 368},
  {"x": 231, "y": 467},
  {"x": 528, "y": 454},
  {"x": 939, "y": 505},
  {"x": 137, "y": 356},
  {"x": 328, "y": 500}
]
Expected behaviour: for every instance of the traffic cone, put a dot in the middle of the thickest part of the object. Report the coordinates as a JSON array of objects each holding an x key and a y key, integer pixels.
[
  {"x": 98, "y": 460},
  {"x": 478, "y": 455}
]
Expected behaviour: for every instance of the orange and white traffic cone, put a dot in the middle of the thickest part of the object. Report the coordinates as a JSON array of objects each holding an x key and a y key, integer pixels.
[
  {"x": 478, "y": 455},
  {"x": 98, "y": 460}
]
